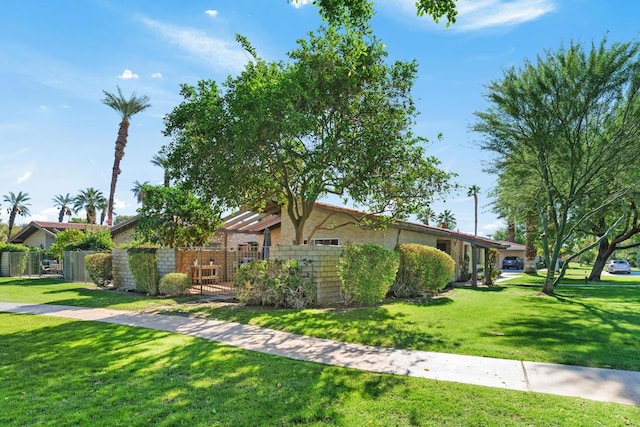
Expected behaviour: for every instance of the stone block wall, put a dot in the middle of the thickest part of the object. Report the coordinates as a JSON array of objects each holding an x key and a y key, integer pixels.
[
  {"x": 321, "y": 262},
  {"x": 122, "y": 277}
]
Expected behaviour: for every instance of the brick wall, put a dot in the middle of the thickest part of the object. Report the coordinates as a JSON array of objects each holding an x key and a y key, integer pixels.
[{"x": 321, "y": 262}]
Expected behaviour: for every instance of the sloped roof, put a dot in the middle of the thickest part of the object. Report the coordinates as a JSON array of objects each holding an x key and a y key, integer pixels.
[{"x": 51, "y": 228}]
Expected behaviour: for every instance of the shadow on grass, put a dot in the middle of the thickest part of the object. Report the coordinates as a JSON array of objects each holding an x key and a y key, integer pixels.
[
  {"x": 579, "y": 331},
  {"x": 84, "y": 372}
]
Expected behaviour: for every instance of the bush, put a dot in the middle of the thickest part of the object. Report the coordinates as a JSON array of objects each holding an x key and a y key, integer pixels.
[
  {"x": 422, "y": 269},
  {"x": 12, "y": 247},
  {"x": 174, "y": 284},
  {"x": 367, "y": 272},
  {"x": 143, "y": 266},
  {"x": 99, "y": 268},
  {"x": 274, "y": 283}
]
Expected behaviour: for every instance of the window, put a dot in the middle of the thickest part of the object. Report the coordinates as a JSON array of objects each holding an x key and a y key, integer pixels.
[{"x": 326, "y": 242}]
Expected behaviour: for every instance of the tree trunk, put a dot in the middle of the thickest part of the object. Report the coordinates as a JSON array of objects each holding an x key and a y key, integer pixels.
[
  {"x": 511, "y": 227},
  {"x": 530, "y": 251},
  {"x": 475, "y": 206},
  {"x": 121, "y": 143},
  {"x": 604, "y": 252},
  {"x": 12, "y": 219}
]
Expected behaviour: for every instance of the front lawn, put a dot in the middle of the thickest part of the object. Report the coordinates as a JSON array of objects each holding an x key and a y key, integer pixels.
[
  {"x": 59, "y": 372},
  {"x": 596, "y": 326}
]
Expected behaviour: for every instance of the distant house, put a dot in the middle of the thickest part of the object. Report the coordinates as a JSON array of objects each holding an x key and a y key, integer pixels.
[{"x": 42, "y": 234}]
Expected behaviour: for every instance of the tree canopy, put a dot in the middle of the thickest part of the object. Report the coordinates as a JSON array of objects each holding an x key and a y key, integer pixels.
[
  {"x": 335, "y": 119},
  {"x": 566, "y": 126}
]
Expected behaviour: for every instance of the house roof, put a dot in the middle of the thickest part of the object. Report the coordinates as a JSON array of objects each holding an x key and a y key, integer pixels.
[
  {"x": 422, "y": 228},
  {"x": 512, "y": 246},
  {"x": 51, "y": 228}
]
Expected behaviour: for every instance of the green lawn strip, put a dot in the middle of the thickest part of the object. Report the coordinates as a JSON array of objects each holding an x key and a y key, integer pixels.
[
  {"x": 58, "y": 372},
  {"x": 596, "y": 326}
]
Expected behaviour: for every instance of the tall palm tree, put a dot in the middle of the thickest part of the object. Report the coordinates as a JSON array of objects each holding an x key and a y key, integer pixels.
[
  {"x": 90, "y": 200},
  {"x": 64, "y": 203},
  {"x": 126, "y": 108},
  {"x": 473, "y": 191},
  {"x": 17, "y": 207},
  {"x": 161, "y": 161},
  {"x": 137, "y": 190},
  {"x": 447, "y": 220}
]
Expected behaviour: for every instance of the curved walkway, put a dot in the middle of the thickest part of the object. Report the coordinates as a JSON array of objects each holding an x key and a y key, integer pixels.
[{"x": 608, "y": 385}]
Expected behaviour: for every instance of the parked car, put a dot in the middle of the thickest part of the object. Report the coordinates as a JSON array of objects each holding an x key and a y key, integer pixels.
[
  {"x": 618, "y": 266},
  {"x": 512, "y": 262}
]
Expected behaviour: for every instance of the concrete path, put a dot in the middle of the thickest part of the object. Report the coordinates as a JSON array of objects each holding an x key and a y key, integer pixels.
[{"x": 606, "y": 385}]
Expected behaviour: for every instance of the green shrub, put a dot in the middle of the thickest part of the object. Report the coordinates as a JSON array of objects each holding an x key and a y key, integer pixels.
[
  {"x": 274, "y": 283},
  {"x": 143, "y": 266},
  {"x": 422, "y": 269},
  {"x": 175, "y": 284},
  {"x": 367, "y": 272},
  {"x": 99, "y": 268},
  {"x": 12, "y": 247}
]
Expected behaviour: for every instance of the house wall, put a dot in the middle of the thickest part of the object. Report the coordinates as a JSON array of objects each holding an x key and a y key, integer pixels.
[
  {"x": 123, "y": 236},
  {"x": 330, "y": 224},
  {"x": 39, "y": 239}
]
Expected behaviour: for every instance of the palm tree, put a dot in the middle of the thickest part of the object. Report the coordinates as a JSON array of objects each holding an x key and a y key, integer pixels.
[
  {"x": 18, "y": 207},
  {"x": 447, "y": 220},
  {"x": 426, "y": 214},
  {"x": 127, "y": 108},
  {"x": 161, "y": 161},
  {"x": 137, "y": 190},
  {"x": 90, "y": 200},
  {"x": 473, "y": 191},
  {"x": 64, "y": 203}
]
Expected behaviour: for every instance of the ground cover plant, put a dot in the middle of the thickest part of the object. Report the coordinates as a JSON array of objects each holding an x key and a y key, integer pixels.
[
  {"x": 579, "y": 326},
  {"x": 58, "y": 372}
]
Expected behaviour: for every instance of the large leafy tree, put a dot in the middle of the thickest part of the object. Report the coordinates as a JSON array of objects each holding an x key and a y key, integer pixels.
[
  {"x": 174, "y": 217},
  {"x": 126, "y": 108},
  {"x": 64, "y": 203},
  {"x": 17, "y": 206},
  {"x": 336, "y": 119},
  {"x": 91, "y": 200},
  {"x": 565, "y": 123}
]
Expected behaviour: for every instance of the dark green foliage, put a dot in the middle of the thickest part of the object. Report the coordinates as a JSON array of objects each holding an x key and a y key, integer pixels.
[
  {"x": 422, "y": 269},
  {"x": 99, "y": 267},
  {"x": 367, "y": 272},
  {"x": 274, "y": 283},
  {"x": 12, "y": 247},
  {"x": 143, "y": 266},
  {"x": 175, "y": 217},
  {"x": 98, "y": 240},
  {"x": 174, "y": 284}
]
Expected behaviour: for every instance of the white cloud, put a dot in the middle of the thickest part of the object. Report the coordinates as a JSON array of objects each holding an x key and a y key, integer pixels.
[
  {"x": 43, "y": 108},
  {"x": 217, "y": 53},
  {"x": 119, "y": 204},
  {"x": 156, "y": 75},
  {"x": 300, "y": 3},
  {"x": 478, "y": 14},
  {"x": 211, "y": 12},
  {"x": 25, "y": 176},
  {"x": 128, "y": 74}
]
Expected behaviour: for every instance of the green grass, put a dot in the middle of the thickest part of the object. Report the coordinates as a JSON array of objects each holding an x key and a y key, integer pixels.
[
  {"x": 575, "y": 275},
  {"x": 597, "y": 326},
  {"x": 58, "y": 372}
]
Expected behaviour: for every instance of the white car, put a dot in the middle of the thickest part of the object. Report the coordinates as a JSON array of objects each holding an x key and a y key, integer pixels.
[{"x": 618, "y": 266}]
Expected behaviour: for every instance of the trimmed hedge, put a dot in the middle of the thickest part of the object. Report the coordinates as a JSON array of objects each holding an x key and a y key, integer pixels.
[
  {"x": 423, "y": 269},
  {"x": 174, "y": 284},
  {"x": 367, "y": 272},
  {"x": 143, "y": 266},
  {"x": 274, "y": 283},
  {"x": 99, "y": 267}
]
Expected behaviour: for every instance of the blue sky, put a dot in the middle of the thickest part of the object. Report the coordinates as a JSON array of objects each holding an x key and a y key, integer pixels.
[{"x": 56, "y": 58}]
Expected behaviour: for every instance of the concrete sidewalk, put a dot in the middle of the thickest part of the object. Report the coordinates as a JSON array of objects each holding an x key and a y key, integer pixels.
[{"x": 608, "y": 385}]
